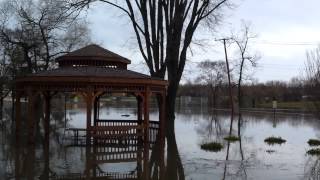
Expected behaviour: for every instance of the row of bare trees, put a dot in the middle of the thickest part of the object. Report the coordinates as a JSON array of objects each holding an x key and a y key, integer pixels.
[
  {"x": 303, "y": 88},
  {"x": 32, "y": 34},
  {"x": 214, "y": 73},
  {"x": 312, "y": 78}
]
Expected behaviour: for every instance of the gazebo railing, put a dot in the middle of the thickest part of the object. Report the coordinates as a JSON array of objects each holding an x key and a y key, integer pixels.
[
  {"x": 105, "y": 122},
  {"x": 108, "y": 175},
  {"x": 114, "y": 132}
]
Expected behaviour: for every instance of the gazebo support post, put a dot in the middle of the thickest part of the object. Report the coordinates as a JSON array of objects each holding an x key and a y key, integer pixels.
[
  {"x": 162, "y": 116},
  {"x": 98, "y": 107},
  {"x": 31, "y": 117},
  {"x": 139, "y": 98},
  {"x": 18, "y": 115},
  {"x": 146, "y": 115},
  {"x": 139, "y": 107},
  {"x": 47, "y": 107},
  {"x": 89, "y": 101},
  {"x": 146, "y": 132},
  {"x": 95, "y": 111},
  {"x": 162, "y": 112}
]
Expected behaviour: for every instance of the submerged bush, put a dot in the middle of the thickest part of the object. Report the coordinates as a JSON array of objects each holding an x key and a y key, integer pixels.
[
  {"x": 231, "y": 138},
  {"x": 274, "y": 140},
  {"x": 212, "y": 146},
  {"x": 314, "y": 152},
  {"x": 314, "y": 142}
]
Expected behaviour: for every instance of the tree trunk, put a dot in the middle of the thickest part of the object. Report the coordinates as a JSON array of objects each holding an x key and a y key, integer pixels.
[
  {"x": 170, "y": 105},
  {"x": 1, "y": 103},
  {"x": 1, "y": 108},
  {"x": 13, "y": 94},
  {"x": 239, "y": 83}
]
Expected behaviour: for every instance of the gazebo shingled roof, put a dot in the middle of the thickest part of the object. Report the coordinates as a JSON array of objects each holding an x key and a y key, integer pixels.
[
  {"x": 94, "y": 51},
  {"x": 93, "y": 71},
  {"x": 93, "y": 55},
  {"x": 91, "y": 64}
]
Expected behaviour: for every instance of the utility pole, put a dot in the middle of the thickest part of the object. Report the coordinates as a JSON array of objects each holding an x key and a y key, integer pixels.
[
  {"x": 228, "y": 71},
  {"x": 229, "y": 81}
]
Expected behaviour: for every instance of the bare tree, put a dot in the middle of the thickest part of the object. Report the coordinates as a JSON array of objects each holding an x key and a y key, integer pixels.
[
  {"x": 242, "y": 42},
  {"x": 39, "y": 29},
  {"x": 212, "y": 74},
  {"x": 33, "y": 33},
  {"x": 164, "y": 30},
  {"x": 312, "y": 82}
]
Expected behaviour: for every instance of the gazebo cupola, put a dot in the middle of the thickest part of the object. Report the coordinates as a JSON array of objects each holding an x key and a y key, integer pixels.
[{"x": 93, "y": 55}]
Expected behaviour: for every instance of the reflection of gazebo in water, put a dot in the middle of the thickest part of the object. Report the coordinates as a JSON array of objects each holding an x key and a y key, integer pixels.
[{"x": 92, "y": 72}]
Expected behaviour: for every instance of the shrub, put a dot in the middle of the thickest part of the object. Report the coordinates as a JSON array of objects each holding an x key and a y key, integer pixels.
[
  {"x": 212, "y": 146},
  {"x": 314, "y": 142},
  {"x": 274, "y": 140},
  {"x": 231, "y": 138}
]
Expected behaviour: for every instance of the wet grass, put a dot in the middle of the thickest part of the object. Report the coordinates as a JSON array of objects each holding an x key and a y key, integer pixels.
[
  {"x": 212, "y": 146},
  {"x": 274, "y": 140},
  {"x": 314, "y": 142},
  {"x": 308, "y": 105},
  {"x": 231, "y": 138},
  {"x": 314, "y": 152}
]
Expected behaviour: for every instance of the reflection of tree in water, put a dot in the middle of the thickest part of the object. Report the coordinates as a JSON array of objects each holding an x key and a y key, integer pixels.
[
  {"x": 241, "y": 172},
  {"x": 215, "y": 128},
  {"x": 6, "y": 149},
  {"x": 174, "y": 169},
  {"x": 312, "y": 168},
  {"x": 212, "y": 129}
]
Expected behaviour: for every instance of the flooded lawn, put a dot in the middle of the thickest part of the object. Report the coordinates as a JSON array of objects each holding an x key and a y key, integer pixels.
[{"x": 250, "y": 157}]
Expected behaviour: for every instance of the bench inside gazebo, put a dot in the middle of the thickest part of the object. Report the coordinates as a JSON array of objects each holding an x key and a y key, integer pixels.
[{"x": 93, "y": 71}]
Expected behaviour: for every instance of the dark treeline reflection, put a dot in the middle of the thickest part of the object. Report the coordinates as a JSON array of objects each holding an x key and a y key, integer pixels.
[{"x": 57, "y": 158}]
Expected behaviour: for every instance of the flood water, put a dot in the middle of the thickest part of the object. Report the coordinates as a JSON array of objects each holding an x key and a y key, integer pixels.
[{"x": 249, "y": 158}]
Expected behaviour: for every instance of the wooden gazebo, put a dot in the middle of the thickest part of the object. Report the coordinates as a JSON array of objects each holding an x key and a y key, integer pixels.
[{"x": 92, "y": 71}]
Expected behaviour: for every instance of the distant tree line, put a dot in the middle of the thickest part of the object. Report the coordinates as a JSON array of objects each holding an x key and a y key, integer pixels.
[{"x": 253, "y": 94}]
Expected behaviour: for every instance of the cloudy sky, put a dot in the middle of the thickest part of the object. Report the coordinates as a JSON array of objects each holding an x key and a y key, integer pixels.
[{"x": 285, "y": 30}]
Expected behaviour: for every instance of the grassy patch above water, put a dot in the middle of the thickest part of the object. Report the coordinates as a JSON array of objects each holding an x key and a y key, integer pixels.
[
  {"x": 314, "y": 152},
  {"x": 314, "y": 142},
  {"x": 212, "y": 146},
  {"x": 231, "y": 138},
  {"x": 274, "y": 140},
  {"x": 270, "y": 151}
]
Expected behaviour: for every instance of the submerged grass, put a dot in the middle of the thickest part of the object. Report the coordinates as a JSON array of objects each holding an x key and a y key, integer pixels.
[
  {"x": 212, "y": 146},
  {"x": 314, "y": 142},
  {"x": 231, "y": 138},
  {"x": 274, "y": 140},
  {"x": 314, "y": 152}
]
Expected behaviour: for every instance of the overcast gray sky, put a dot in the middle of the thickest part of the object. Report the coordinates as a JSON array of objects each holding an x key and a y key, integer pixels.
[{"x": 286, "y": 29}]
